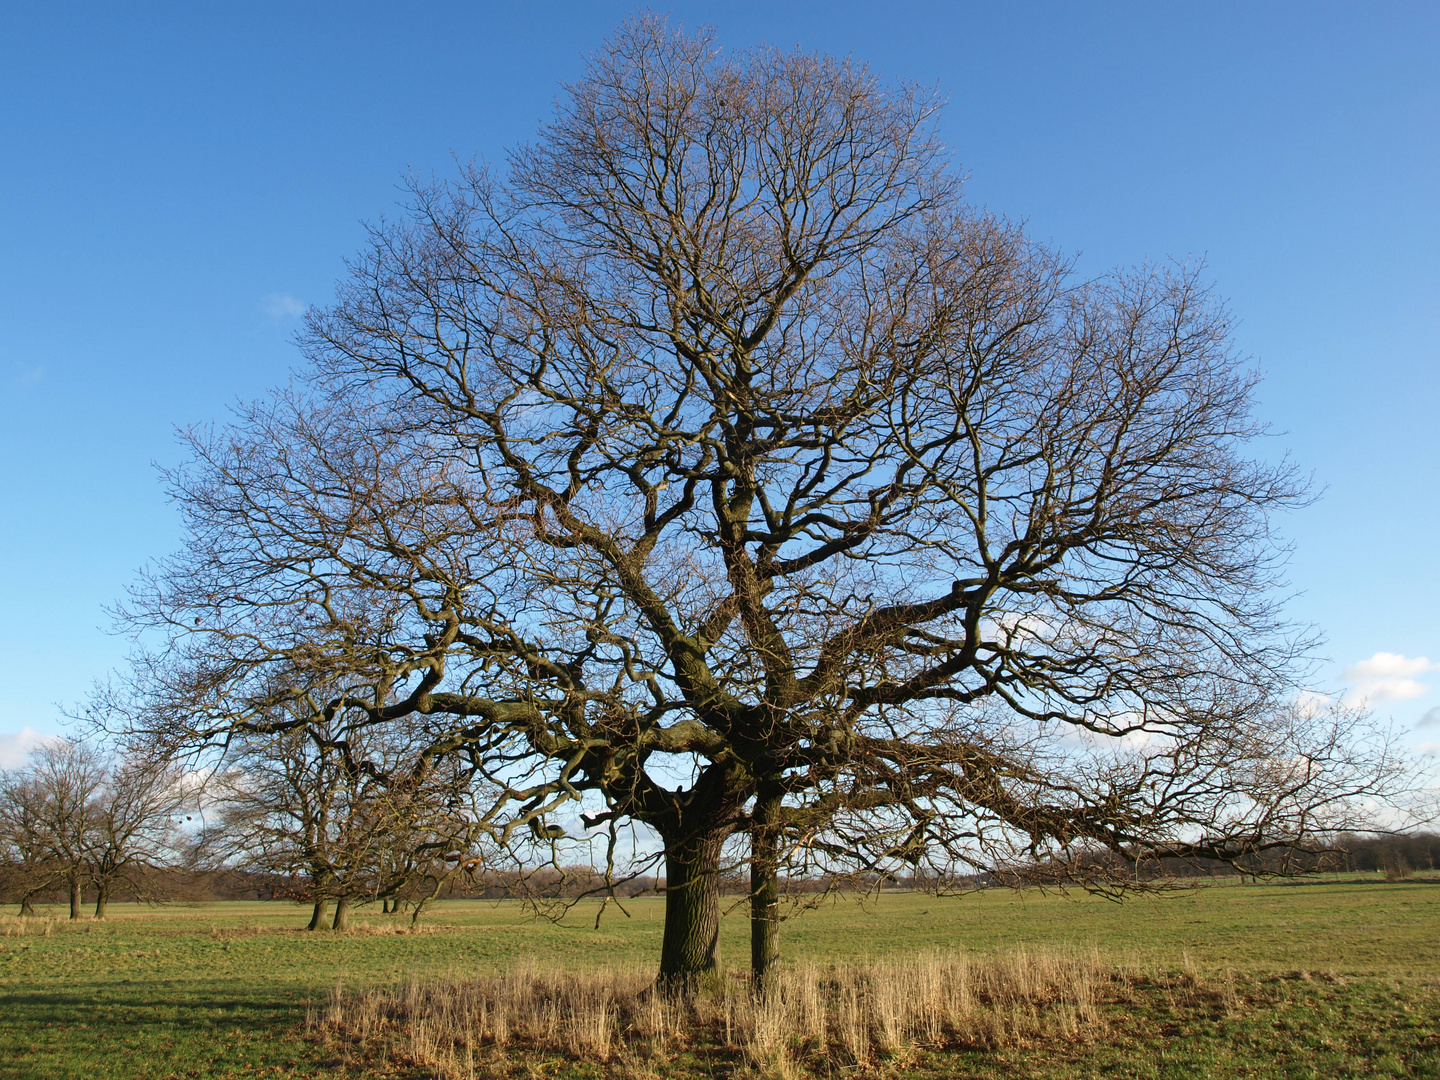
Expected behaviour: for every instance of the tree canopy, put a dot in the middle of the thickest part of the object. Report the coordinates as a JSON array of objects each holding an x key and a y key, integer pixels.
[{"x": 715, "y": 465}]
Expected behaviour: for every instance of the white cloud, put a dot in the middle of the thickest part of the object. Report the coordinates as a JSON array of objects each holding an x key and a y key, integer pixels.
[
  {"x": 1390, "y": 690},
  {"x": 281, "y": 306},
  {"x": 1388, "y": 677},
  {"x": 1431, "y": 718},
  {"x": 1388, "y": 665},
  {"x": 15, "y": 746}
]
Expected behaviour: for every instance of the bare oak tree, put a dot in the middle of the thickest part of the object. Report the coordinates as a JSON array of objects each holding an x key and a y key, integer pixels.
[
  {"x": 348, "y": 812},
  {"x": 288, "y": 805},
  {"x": 50, "y": 807},
  {"x": 716, "y": 467},
  {"x": 76, "y": 816},
  {"x": 133, "y": 828},
  {"x": 30, "y": 865}
]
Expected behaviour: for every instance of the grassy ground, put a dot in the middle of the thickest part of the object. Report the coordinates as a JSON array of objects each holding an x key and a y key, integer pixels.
[{"x": 1331, "y": 979}]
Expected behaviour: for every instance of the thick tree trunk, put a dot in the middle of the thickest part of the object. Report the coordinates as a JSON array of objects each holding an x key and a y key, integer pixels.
[
  {"x": 76, "y": 899},
  {"x": 764, "y": 886},
  {"x": 27, "y": 906},
  {"x": 317, "y": 918},
  {"x": 342, "y": 913},
  {"x": 689, "y": 951},
  {"x": 102, "y": 901}
]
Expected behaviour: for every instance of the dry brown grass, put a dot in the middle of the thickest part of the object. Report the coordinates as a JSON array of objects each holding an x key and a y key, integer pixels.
[
  {"x": 836, "y": 1015},
  {"x": 42, "y": 926}
]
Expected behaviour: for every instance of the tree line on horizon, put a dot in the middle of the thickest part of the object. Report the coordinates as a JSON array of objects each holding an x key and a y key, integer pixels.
[{"x": 76, "y": 823}]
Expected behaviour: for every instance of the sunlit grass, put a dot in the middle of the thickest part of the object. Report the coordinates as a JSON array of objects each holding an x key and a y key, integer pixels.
[{"x": 1344, "y": 974}]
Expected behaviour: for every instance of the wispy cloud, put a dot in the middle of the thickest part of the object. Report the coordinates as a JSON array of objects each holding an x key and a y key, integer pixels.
[
  {"x": 1431, "y": 718},
  {"x": 23, "y": 375},
  {"x": 15, "y": 746},
  {"x": 281, "y": 307},
  {"x": 1388, "y": 677}
]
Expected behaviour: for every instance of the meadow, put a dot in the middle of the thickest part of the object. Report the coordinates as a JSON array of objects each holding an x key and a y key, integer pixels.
[{"x": 1313, "y": 979}]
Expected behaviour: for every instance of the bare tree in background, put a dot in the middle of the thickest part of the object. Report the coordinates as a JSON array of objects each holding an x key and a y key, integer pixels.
[
  {"x": 437, "y": 831},
  {"x": 282, "y": 804},
  {"x": 354, "y": 813},
  {"x": 77, "y": 816},
  {"x": 49, "y": 805},
  {"x": 132, "y": 828},
  {"x": 719, "y": 469},
  {"x": 30, "y": 866}
]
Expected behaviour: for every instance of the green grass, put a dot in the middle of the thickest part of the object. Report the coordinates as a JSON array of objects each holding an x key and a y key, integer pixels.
[{"x": 220, "y": 990}]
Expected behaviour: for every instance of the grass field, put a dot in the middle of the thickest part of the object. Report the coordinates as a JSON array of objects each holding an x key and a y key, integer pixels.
[{"x": 1320, "y": 979}]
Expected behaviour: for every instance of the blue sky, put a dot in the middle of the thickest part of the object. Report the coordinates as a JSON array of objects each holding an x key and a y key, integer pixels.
[{"x": 178, "y": 181}]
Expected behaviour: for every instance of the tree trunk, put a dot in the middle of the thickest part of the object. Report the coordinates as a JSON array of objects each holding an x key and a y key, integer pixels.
[
  {"x": 420, "y": 904},
  {"x": 27, "y": 906},
  {"x": 76, "y": 900},
  {"x": 102, "y": 900},
  {"x": 764, "y": 886},
  {"x": 317, "y": 918},
  {"x": 689, "y": 950},
  {"x": 342, "y": 913}
]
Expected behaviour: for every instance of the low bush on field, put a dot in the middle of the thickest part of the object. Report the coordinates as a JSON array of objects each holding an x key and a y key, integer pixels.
[{"x": 813, "y": 1015}]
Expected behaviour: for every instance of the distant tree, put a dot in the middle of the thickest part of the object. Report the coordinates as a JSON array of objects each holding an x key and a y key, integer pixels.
[
  {"x": 132, "y": 831},
  {"x": 281, "y": 805},
  {"x": 352, "y": 813},
  {"x": 436, "y": 831},
  {"x": 76, "y": 816},
  {"x": 49, "y": 808},
  {"x": 30, "y": 866},
  {"x": 719, "y": 469},
  {"x": 1397, "y": 854}
]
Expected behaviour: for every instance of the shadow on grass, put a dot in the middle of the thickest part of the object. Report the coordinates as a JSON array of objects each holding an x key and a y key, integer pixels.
[{"x": 148, "y": 1029}]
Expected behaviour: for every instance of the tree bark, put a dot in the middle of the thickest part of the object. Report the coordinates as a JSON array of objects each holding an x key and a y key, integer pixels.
[
  {"x": 689, "y": 951},
  {"x": 102, "y": 901},
  {"x": 27, "y": 906},
  {"x": 317, "y": 918},
  {"x": 76, "y": 900},
  {"x": 764, "y": 886},
  {"x": 420, "y": 904},
  {"x": 342, "y": 913}
]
